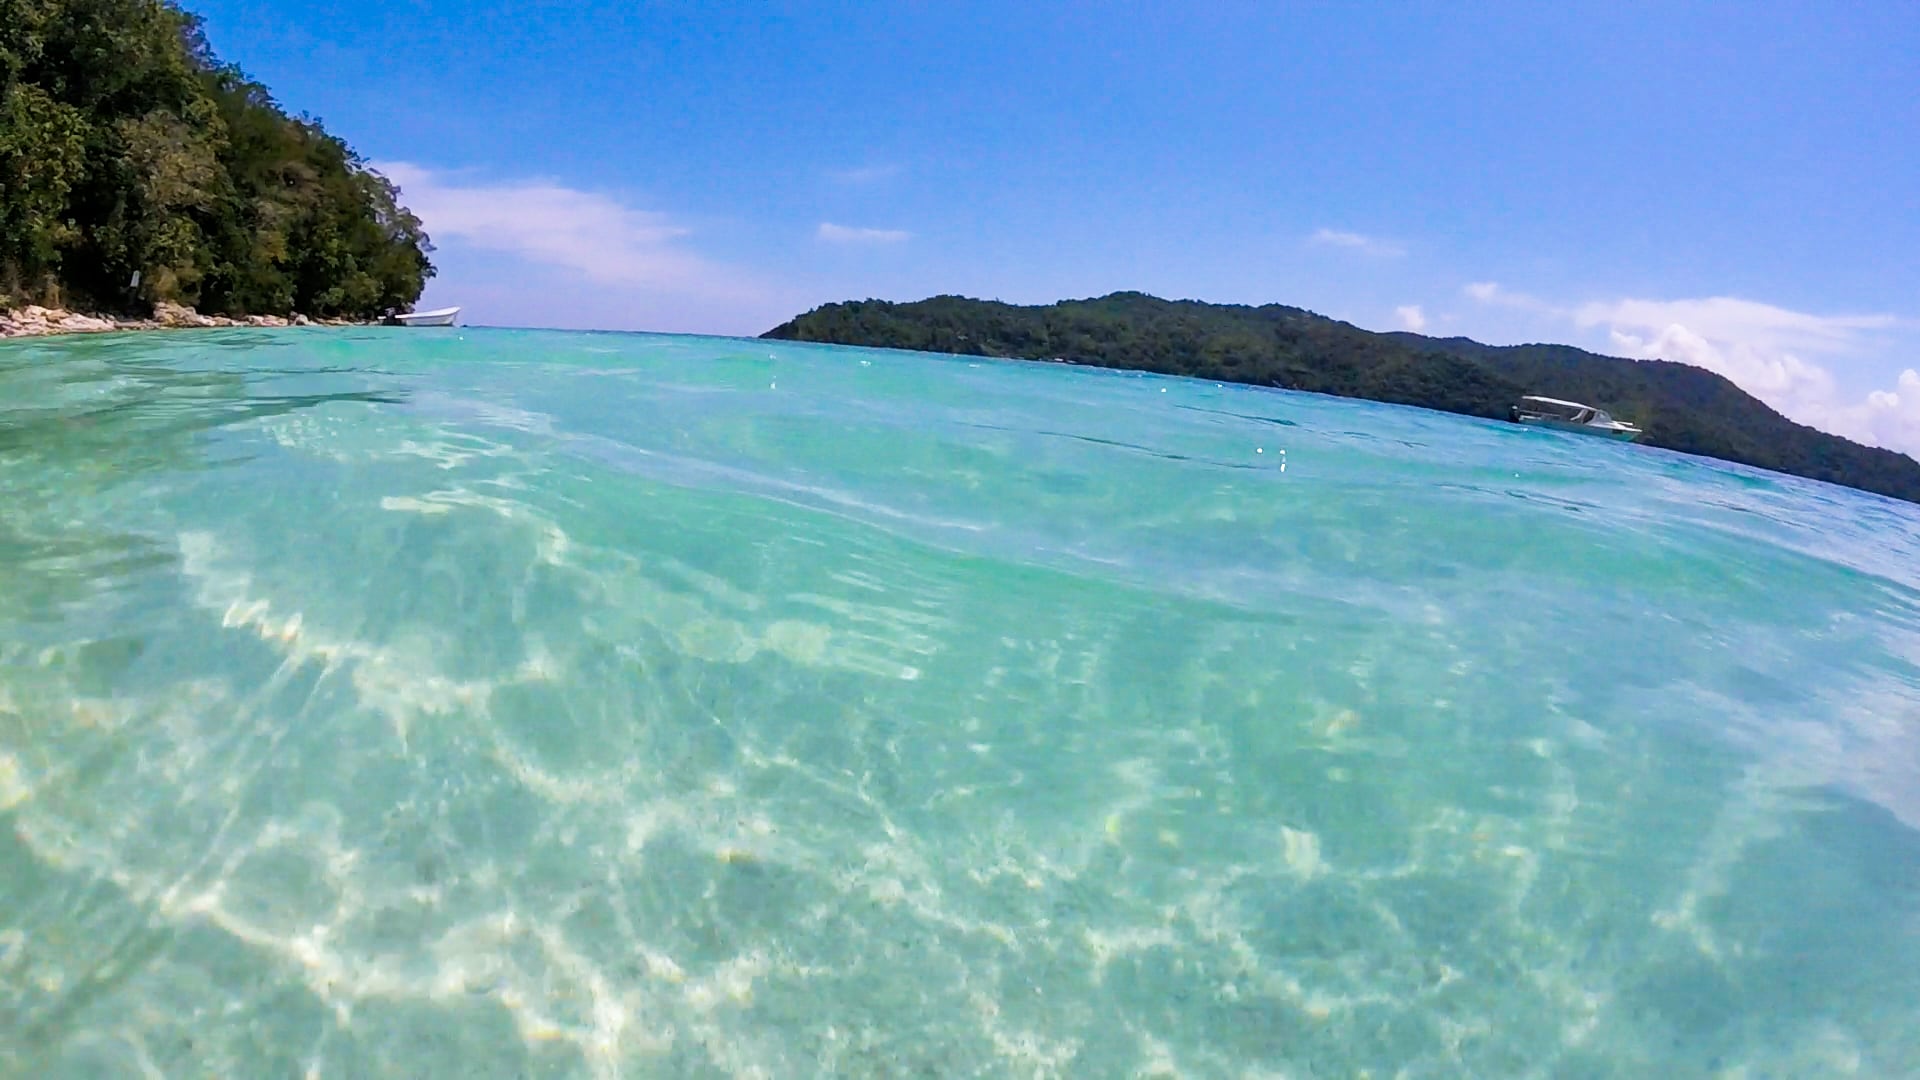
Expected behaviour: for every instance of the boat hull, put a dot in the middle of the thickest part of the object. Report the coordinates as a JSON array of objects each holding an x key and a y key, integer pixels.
[
  {"x": 1595, "y": 430},
  {"x": 442, "y": 317}
]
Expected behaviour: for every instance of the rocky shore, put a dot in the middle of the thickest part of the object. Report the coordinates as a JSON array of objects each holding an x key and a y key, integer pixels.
[{"x": 36, "y": 321}]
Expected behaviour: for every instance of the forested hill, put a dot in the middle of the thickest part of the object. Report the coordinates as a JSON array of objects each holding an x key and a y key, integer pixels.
[
  {"x": 126, "y": 147},
  {"x": 1681, "y": 407}
]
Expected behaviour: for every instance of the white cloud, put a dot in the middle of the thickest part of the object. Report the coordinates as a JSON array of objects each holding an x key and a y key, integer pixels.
[
  {"x": 1763, "y": 349},
  {"x": 547, "y": 222},
  {"x": 1411, "y": 317},
  {"x": 1730, "y": 319},
  {"x": 1492, "y": 292},
  {"x": 1767, "y": 352},
  {"x": 1889, "y": 418},
  {"x": 846, "y": 234},
  {"x": 1353, "y": 241},
  {"x": 869, "y": 174}
]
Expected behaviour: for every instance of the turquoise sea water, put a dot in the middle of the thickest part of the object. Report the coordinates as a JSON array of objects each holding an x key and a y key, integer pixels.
[{"x": 485, "y": 703}]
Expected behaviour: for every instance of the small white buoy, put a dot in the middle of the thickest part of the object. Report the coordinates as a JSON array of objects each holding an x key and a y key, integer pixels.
[{"x": 1259, "y": 449}]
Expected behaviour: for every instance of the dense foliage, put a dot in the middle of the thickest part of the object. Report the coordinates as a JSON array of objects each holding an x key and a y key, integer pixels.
[
  {"x": 1681, "y": 407},
  {"x": 126, "y": 147}
]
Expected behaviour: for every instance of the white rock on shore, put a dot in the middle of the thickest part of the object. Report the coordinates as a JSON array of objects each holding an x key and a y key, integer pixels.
[{"x": 36, "y": 321}]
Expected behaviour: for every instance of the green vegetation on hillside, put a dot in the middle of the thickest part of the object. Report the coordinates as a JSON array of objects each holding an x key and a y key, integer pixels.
[
  {"x": 1681, "y": 407},
  {"x": 126, "y": 147}
]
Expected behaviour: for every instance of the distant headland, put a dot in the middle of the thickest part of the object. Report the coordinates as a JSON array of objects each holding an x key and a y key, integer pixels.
[{"x": 1681, "y": 407}]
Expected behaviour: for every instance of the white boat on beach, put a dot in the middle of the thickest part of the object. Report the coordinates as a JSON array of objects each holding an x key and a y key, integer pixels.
[
  {"x": 437, "y": 317},
  {"x": 1570, "y": 416}
]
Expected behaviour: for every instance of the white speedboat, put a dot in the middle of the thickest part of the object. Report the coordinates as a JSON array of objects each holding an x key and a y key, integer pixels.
[
  {"x": 437, "y": 317},
  {"x": 1570, "y": 416}
]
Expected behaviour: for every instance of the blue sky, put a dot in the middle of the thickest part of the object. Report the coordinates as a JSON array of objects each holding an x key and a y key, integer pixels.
[{"x": 1735, "y": 185}]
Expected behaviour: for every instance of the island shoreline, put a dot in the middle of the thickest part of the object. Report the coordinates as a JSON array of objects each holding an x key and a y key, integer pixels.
[{"x": 33, "y": 321}]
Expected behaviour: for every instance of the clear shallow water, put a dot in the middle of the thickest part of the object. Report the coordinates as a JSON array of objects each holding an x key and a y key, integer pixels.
[{"x": 497, "y": 703}]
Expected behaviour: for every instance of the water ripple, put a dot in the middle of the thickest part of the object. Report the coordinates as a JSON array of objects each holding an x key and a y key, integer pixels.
[{"x": 385, "y": 703}]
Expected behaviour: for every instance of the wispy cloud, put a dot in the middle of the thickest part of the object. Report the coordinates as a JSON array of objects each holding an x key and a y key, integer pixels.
[
  {"x": 1889, "y": 418},
  {"x": 547, "y": 222},
  {"x": 1491, "y": 292},
  {"x": 1411, "y": 317},
  {"x": 1729, "y": 318},
  {"x": 1766, "y": 350},
  {"x": 848, "y": 234},
  {"x": 1357, "y": 242},
  {"x": 866, "y": 174}
]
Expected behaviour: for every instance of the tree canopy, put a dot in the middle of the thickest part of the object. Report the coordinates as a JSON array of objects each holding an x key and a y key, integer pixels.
[
  {"x": 1680, "y": 407},
  {"x": 126, "y": 147}
]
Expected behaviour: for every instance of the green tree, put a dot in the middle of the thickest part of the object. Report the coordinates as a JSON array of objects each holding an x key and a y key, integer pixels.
[{"x": 127, "y": 147}]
